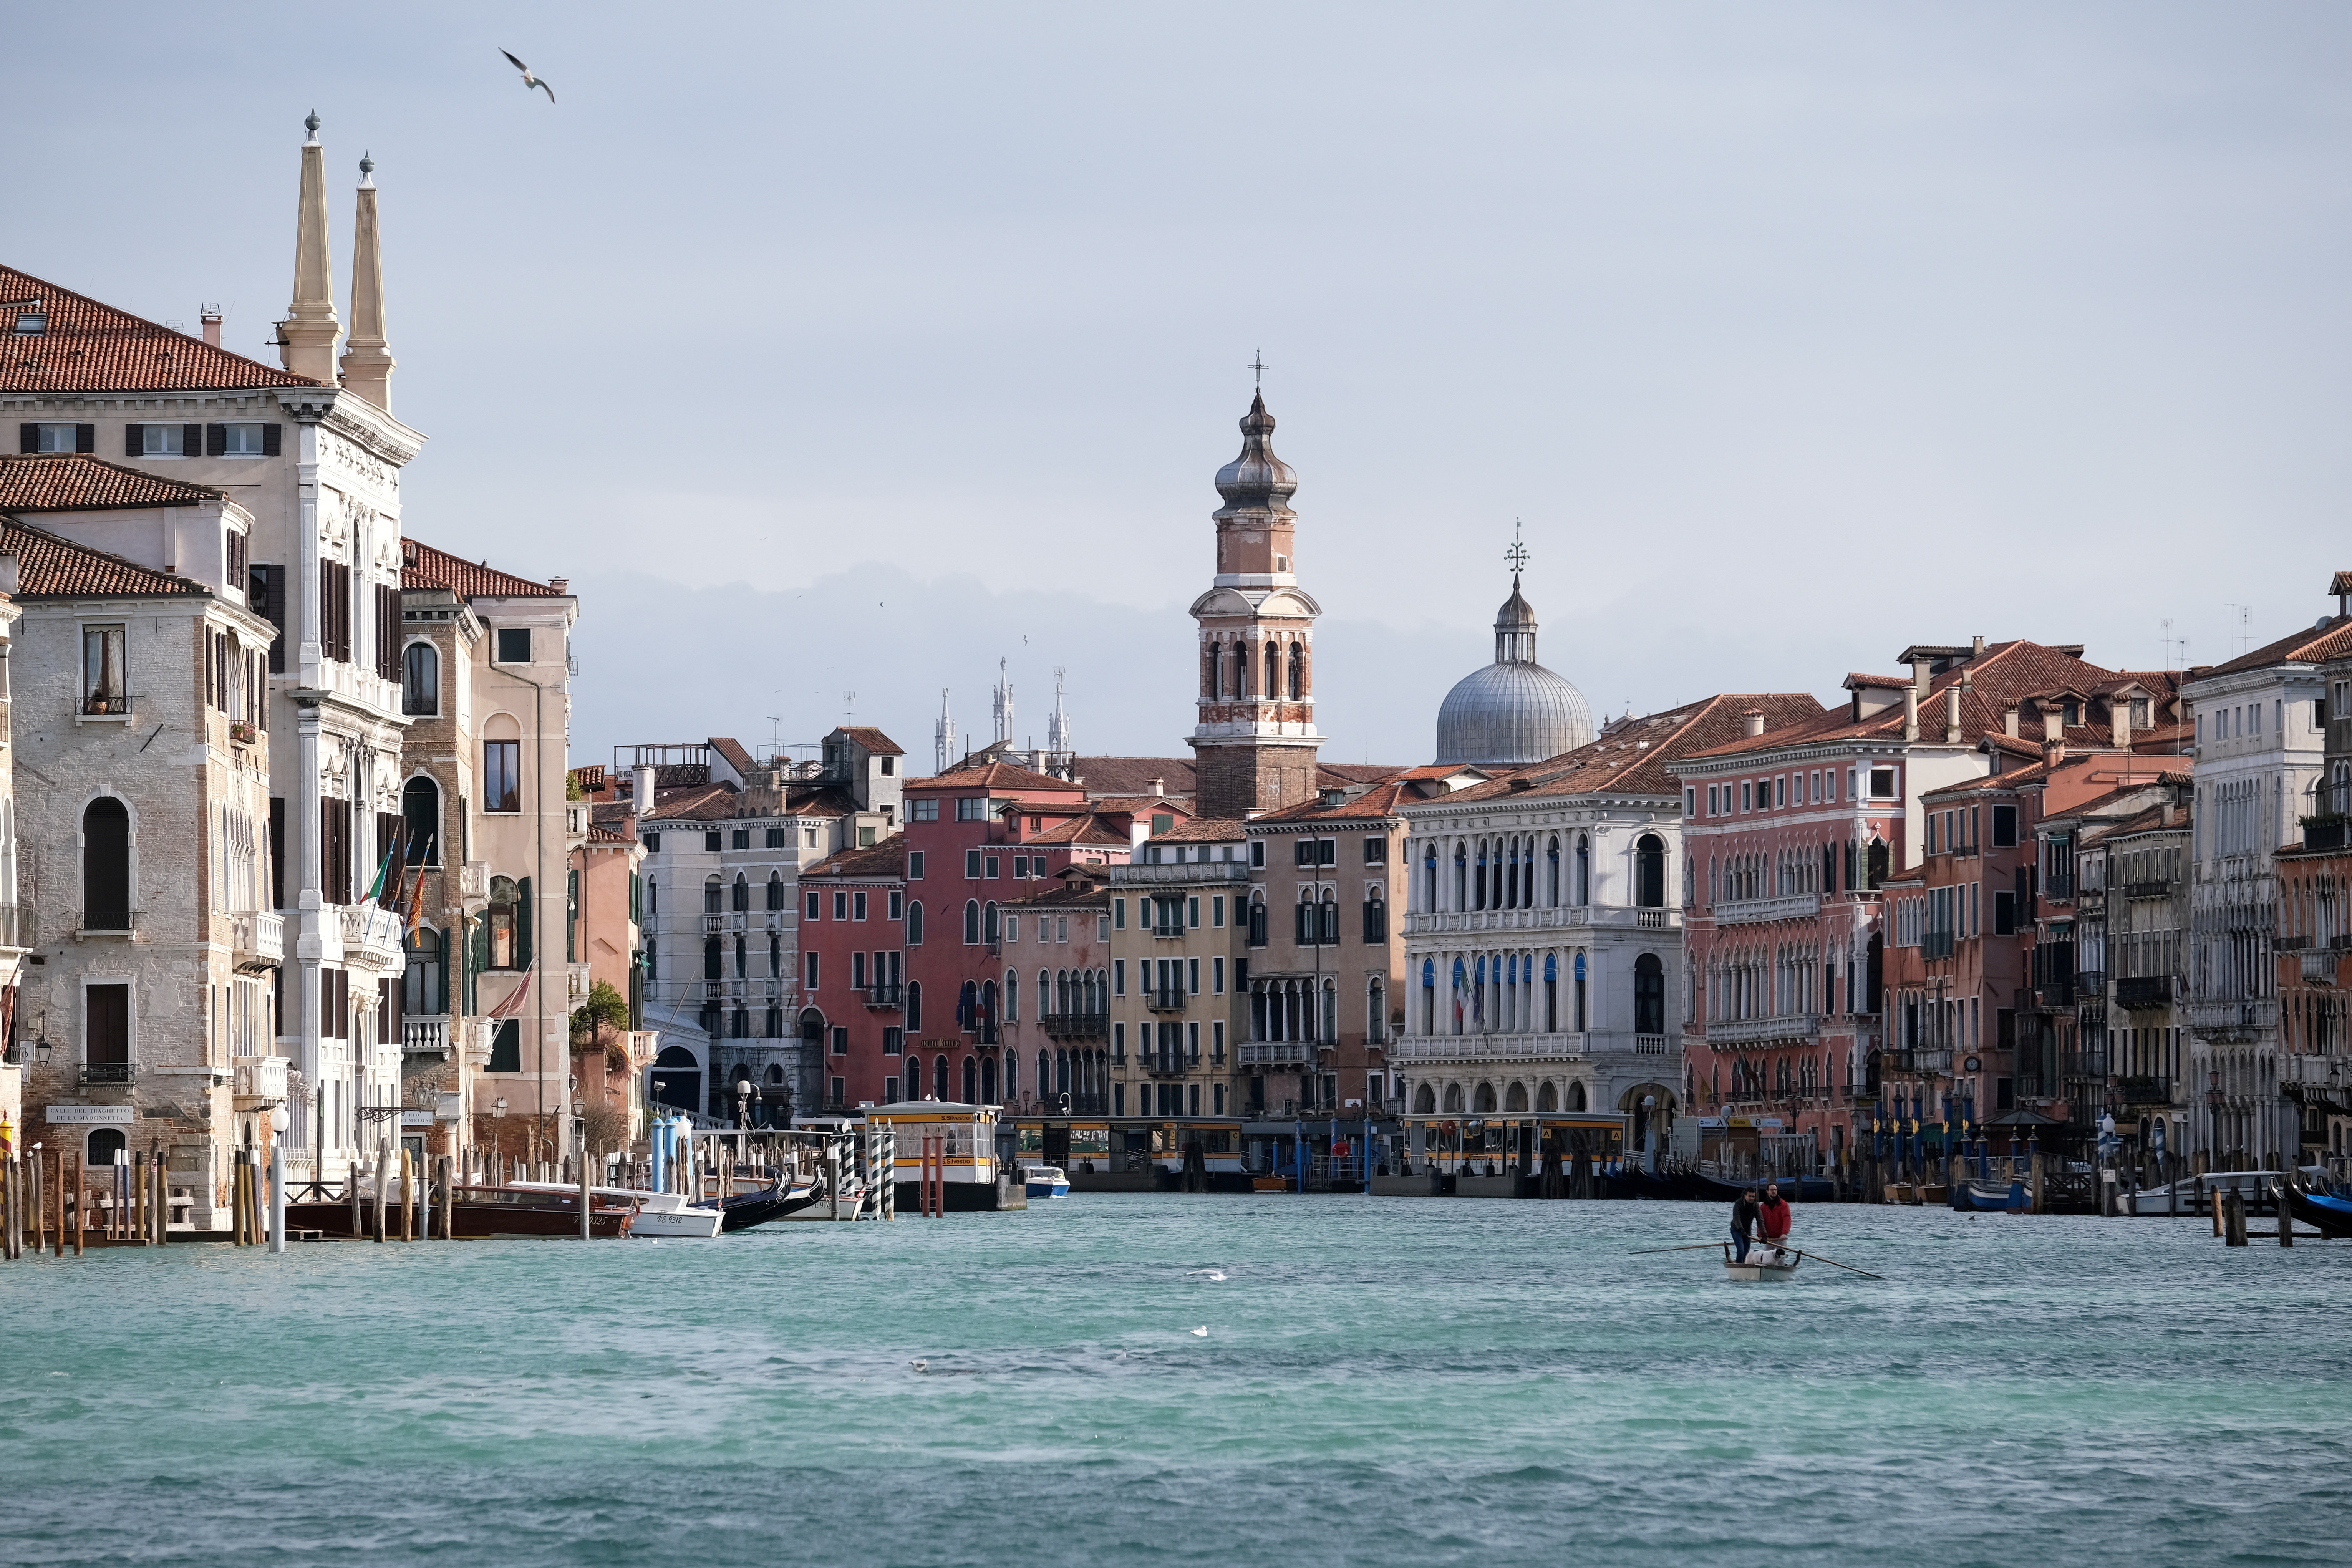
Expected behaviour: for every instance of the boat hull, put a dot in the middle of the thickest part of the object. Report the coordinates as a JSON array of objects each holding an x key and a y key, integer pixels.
[
  {"x": 471, "y": 1218},
  {"x": 749, "y": 1209},
  {"x": 1764, "y": 1267},
  {"x": 2324, "y": 1212}
]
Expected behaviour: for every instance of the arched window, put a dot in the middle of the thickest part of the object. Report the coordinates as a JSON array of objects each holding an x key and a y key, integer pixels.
[
  {"x": 424, "y": 988},
  {"x": 1546, "y": 1099},
  {"x": 1649, "y": 996},
  {"x": 939, "y": 1073},
  {"x": 988, "y": 1013},
  {"x": 106, "y": 1146},
  {"x": 1011, "y": 1076},
  {"x": 1210, "y": 665},
  {"x": 1583, "y": 870},
  {"x": 1240, "y": 676},
  {"x": 775, "y": 890},
  {"x": 1376, "y": 918},
  {"x": 420, "y": 808},
  {"x": 968, "y": 1006},
  {"x": 1013, "y": 995},
  {"x": 508, "y": 923},
  {"x": 1429, "y": 869},
  {"x": 1460, "y": 875},
  {"x": 1583, "y": 1022},
  {"x": 971, "y": 1080},
  {"x": 914, "y": 1007},
  {"x": 988, "y": 921},
  {"x": 742, "y": 900},
  {"x": 1044, "y": 1074},
  {"x": 106, "y": 865},
  {"x": 971, "y": 923},
  {"x": 1258, "y": 920},
  {"x": 1428, "y": 996},
  {"x": 1297, "y": 670},
  {"x": 1576, "y": 1097},
  {"x": 1650, "y": 872},
  {"x": 711, "y": 897},
  {"x": 775, "y": 958},
  {"x": 742, "y": 959},
  {"x": 1273, "y": 670},
  {"x": 988, "y": 1081},
  {"x": 1479, "y": 882},
  {"x": 1047, "y": 1001},
  {"x": 1424, "y": 1101},
  {"x": 914, "y": 925},
  {"x": 420, "y": 680},
  {"x": 914, "y": 1079},
  {"x": 1551, "y": 992},
  {"x": 714, "y": 959}
]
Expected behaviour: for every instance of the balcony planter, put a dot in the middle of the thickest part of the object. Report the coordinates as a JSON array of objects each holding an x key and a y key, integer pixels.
[{"x": 243, "y": 734}]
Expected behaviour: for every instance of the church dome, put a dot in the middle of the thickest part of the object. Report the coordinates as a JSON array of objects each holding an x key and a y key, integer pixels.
[{"x": 1513, "y": 712}]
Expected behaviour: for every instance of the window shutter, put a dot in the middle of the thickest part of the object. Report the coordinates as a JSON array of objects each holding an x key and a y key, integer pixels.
[
  {"x": 192, "y": 440},
  {"x": 29, "y": 438},
  {"x": 216, "y": 440},
  {"x": 131, "y": 436},
  {"x": 477, "y": 958},
  {"x": 270, "y": 435},
  {"x": 522, "y": 926},
  {"x": 270, "y": 584},
  {"x": 85, "y": 439}
]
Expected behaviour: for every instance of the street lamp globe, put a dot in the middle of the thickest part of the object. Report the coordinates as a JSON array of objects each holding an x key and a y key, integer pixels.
[{"x": 278, "y": 1119}]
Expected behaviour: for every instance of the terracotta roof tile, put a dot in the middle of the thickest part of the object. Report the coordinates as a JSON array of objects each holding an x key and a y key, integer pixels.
[
  {"x": 875, "y": 741},
  {"x": 1632, "y": 757},
  {"x": 2314, "y": 644},
  {"x": 1204, "y": 830},
  {"x": 48, "y": 567},
  {"x": 997, "y": 777},
  {"x": 90, "y": 347},
  {"x": 421, "y": 566},
  {"x": 732, "y": 750},
  {"x": 71, "y": 483},
  {"x": 693, "y": 803},
  {"x": 887, "y": 858},
  {"x": 1133, "y": 775}
]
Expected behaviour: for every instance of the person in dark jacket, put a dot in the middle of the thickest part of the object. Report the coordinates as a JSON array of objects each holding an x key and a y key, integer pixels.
[{"x": 1744, "y": 1215}]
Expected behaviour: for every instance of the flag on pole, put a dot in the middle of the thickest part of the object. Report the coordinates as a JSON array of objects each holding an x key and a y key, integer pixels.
[
  {"x": 416, "y": 902},
  {"x": 512, "y": 1005},
  {"x": 375, "y": 888}
]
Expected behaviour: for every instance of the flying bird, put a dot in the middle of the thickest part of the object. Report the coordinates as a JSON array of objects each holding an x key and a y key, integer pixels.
[
  {"x": 1214, "y": 1274},
  {"x": 529, "y": 80},
  {"x": 1200, "y": 1333}
]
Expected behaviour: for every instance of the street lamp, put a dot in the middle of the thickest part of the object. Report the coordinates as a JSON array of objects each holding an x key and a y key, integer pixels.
[{"x": 41, "y": 1042}]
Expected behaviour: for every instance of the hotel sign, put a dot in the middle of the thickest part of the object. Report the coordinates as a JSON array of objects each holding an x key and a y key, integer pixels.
[{"x": 90, "y": 1116}]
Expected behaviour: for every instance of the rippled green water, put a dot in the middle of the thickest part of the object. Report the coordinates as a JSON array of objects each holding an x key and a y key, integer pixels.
[{"x": 1383, "y": 1380}]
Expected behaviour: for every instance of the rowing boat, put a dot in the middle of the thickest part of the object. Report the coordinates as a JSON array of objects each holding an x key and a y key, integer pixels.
[{"x": 1764, "y": 1264}]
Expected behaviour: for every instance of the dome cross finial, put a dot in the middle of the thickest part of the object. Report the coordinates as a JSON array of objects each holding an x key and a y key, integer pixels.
[
  {"x": 1516, "y": 555},
  {"x": 1257, "y": 371}
]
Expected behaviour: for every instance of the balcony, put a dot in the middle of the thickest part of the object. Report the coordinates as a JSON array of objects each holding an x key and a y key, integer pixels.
[
  {"x": 106, "y": 922},
  {"x": 1914, "y": 1063},
  {"x": 1077, "y": 1026},
  {"x": 2233, "y": 1020},
  {"x": 2144, "y": 993},
  {"x": 1209, "y": 873},
  {"x": 110, "y": 1073},
  {"x": 2091, "y": 984},
  {"x": 424, "y": 1039},
  {"x": 1273, "y": 1053},
  {"x": 1415, "y": 1051},
  {"x": 2160, "y": 889},
  {"x": 1165, "y": 1001},
  {"x": 257, "y": 942},
  {"x": 713, "y": 923},
  {"x": 1649, "y": 1045},
  {"x": 2143, "y": 1090},
  {"x": 578, "y": 981},
  {"x": 259, "y": 1082},
  {"x": 373, "y": 939},
  {"x": 1747, "y": 911},
  {"x": 1934, "y": 944},
  {"x": 1175, "y": 1065},
  {"x": 1752, "y": 1031},
  {"x": 889, "y": 996},
  {"x": 473, "y": 884},
  {"x": 1580, "y": 918},
  {"x": 2319, "y": 964}
]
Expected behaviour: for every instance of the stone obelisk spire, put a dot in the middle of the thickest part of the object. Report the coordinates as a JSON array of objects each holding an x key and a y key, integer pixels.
[
  {"x": 367, "y": 360},
  {"x": 308, "y": 330}
]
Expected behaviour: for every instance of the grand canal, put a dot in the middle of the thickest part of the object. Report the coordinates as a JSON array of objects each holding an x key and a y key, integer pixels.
[{"x": 1382, "y": 1381}]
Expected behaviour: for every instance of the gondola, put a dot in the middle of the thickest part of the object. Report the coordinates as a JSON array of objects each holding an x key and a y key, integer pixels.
[
  {"x": 2324, "y": 1212},
  {"x": 742, "y": 1211}
]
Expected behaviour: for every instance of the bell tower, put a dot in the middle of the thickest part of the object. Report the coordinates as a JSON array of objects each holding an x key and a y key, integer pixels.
[{"x": 1255, "y": 742}]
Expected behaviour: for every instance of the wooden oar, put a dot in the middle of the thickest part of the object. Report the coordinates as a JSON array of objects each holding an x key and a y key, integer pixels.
[
  {"x": 1694, "y": 1246},
  {"x": 1849, "y": 1268}
]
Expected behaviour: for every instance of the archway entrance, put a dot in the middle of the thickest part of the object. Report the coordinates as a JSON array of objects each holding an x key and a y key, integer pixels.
[{"x": 675, "y": 1078}]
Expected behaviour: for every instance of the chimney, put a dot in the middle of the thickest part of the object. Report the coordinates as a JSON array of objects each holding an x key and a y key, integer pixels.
[
  {"x": 1159, "y": 786},
  {"x": 2053, "y": 721},
  {"x": 2008, "y": 721},
  {"x": 2119, "y": 710},
  {"x": 1921, "y": 675},
  {"x": 2168, "y": 811},
  {"x": 1755, "y": 721},
  {"x": 560, "y": 585},
  {"x": 1951, "y": 715},
  {"x": 1910, "y": 712},
  {"x": 1977, "y": 646},
  {"x": 8, "y": 576},
  {"x": 367, "y": 360},
  {"x": 306, "y": 336},
  {"x": 210, "y": 315},
  {"x": 2053, "y": 751},
  {"x": 644, "y": 791}
]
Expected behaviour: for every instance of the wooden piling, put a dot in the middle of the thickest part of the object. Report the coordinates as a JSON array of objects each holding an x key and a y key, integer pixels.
[
  {"x": 40, "y": 1202},
  {"x": 2285, "y": 1218},
  {"x": 448, "y": 1195},
  {"x": 161, "y": 1209},
  {"x": 587, "y": 1199},
  {"x": 383, "y": 1181},
  {"x": 2234, "y": 1219}
]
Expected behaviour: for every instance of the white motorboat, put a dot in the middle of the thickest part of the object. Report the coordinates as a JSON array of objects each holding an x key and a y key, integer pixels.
[
  {"x": 665, "y": 1216},
  {"x": 2190, "y": 1193},
  {"x": 1046, "y": 1181}
]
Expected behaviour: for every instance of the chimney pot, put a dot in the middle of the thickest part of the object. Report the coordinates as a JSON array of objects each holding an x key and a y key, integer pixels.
[
  {"x": 2053, "y": 722},
  {"x": 560, "y": 585},
  {"x": 1951, "y": 715},
  {"x": 644, "y": 803},
  {"x": 1755, "y": 719},
  {"x": 1978, "y": 643},
  {"x": 210, "y": 315},
  {"x": 1920, "y": 674},
  {"x": 2008, "y": 721},
  {"x": 2119, "y": 710},
  {"x": 1910, "y": 712},
  {"x": 1159, "y": 786}
]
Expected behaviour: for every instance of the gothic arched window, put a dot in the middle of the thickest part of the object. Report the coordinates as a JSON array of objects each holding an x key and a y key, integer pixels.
[{"x": 1298, "y": 672}]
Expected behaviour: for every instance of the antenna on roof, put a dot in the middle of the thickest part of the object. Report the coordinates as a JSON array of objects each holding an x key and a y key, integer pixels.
[
  {"x": 849, "y": 708},
  {"x": 2175, "y": 649}
]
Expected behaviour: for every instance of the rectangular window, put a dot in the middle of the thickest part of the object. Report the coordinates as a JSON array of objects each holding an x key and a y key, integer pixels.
[
  {"x": 812, "y": 912},
  {"x": 858, "y": 906},
  {"x": 894, "y": 1040},
  {"x": 922, "y": 811},
  {"x": 1217, "y": 912},
  {"x": 2004, "y": 828},
  {"x": 1217, "y": 1054},
  {"x": 62, "y": 438},
  {"x": 1216, "y": 977},
  {"x": 1118, "y": 1042},
  {"x": 991, "y": 863},
  {"x": 972, "y": 808},
  {"x": 840, "y": 905},
  {"x": 971, "y": 865},
  {"x": 104, "y": 686},
  {"x": 1012, "y": 927},
  {"x": 857, "y": 970},
  {"x": 1118, "y": 914},
  {"x": 2004, "y": 912},
  {"x": 839, "y": 1089},
  {"x": 244, "y": 440},
  {"x": 1713, "y": 805},
  {"x": 1780, "y": 790},
  {"x": 1192, "y": 913},
  {"x": 1690, "y": 800},
  {"x": 1376, "y": 850},
  {"x": 1257, "y": 852},
  {"x": 1192, "y": 975},
  {"x": 710, "y": 842},
  {"x": 1747, "y": 795},
  {"x": 740, "y": 839},
  {"x": 514, "y": 645},
  {"x": 157, "y": 440},
  {"x": 897, "y": 905},
  {"x": 502, "y": 775},
  {"x": 1303, "y": 851},
  {"x": 1881, "y": 783},
  {"x": 841, "y": 1039},
  {"x": 914, "y": 865},
  {"x": 808, "y": 971},
  {"x": 1192, "y": 1051},
  {"x": 1119, "y": 977}
]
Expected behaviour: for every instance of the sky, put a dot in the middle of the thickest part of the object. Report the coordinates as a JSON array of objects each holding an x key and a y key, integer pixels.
[{"x": 853, "y": 349}]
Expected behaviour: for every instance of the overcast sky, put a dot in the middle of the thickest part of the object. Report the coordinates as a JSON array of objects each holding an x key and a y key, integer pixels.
[{"x": 832, "y": 348}]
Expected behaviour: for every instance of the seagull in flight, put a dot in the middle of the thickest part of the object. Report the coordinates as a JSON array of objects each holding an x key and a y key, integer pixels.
[
  {"x": 1200, "y": 1333},
  {"x": 529, "y": 80},
  {"x": 1214, "y": 1274}
]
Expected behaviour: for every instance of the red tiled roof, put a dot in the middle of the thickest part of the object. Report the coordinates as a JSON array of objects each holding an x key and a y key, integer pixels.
[
  {"x": 887, "y": 858},
  {"x": 73, "y": 483},
  {"x": 2332, "y": 638},
  {"x": 599, "y": 834},
  {"x": 1068, "y": 893},
  {"x": 997, "y": 777},
  {"x": 875, "y": 741},
  {"x": 693, "y": 803},
  {"x": 1088, "y": 829},
  {"x": 48, "y": 567},
  {"x": 1376, "y": 803},
  {"x": 1205, "y": 829},
  {"x": 421, "y": 566},
  {"x": 1631, "y": 758},
  {"x": 732, "y": 750},
  {"x": 1133, "y": 775},
  {"x": 90, "y": 347},
  {"x": 1855, "y": 681}
]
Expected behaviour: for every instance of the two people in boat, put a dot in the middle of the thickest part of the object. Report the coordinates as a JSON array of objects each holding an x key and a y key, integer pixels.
[{"x": 1769, "y": 1219}]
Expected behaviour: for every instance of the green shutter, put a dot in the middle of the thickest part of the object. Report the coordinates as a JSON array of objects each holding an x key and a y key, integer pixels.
[
  {"x": 572, "y": 915},
  {"x": 522, "y": 927},
  {"x": 477, "y": 958}
]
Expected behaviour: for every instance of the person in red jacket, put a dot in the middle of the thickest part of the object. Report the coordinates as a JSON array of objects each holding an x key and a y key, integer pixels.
[{"x": 1772, "y": 1219}]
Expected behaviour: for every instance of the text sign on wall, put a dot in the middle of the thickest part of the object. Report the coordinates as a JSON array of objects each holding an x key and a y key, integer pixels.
[{"x": 90, "y": 1115}]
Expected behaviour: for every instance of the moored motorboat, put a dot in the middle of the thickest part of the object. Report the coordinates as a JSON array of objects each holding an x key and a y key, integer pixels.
[
  {"x": 1046, "y": 1181},
  {"x": 511, "y": 1211},
  {"x": 665, "y": 1216}
]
